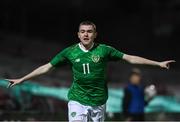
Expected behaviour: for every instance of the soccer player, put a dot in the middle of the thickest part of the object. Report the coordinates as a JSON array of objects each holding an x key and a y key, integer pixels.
[{"x": 88, "y": 93}]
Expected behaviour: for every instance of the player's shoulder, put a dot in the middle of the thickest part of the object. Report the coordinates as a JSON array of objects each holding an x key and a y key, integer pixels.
[
  {"x": 71, "y": 47},
  {"x": 68, "y": 49},
  {"x": 105, "y": 46}
]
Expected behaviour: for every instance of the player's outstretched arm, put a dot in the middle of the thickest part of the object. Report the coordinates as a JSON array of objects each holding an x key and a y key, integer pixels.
[
  {"x": 139, "y": 60},
  {"x": 39, "y": 71}
]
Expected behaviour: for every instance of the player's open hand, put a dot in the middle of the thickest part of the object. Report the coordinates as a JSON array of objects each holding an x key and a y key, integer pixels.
[
  {"x": 166, "y": 64},
  {"x": 13, "y": 82}
]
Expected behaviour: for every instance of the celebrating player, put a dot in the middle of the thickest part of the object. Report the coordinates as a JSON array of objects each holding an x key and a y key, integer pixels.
[{"x": 88, "y": 93}]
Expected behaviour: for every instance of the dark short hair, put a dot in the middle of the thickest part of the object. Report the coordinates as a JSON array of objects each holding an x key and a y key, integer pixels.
[
  {"x": 135, "y": 71},
  {"x": 88, "y": 23}
]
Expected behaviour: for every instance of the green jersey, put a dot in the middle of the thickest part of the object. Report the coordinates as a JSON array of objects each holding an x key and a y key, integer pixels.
[{"x": 89, "y": 85}]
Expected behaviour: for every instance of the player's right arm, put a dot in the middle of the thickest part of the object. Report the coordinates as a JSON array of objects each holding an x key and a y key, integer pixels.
[
  {"x": 58, "y": 60},
  {"x": 39, "y": 71}
]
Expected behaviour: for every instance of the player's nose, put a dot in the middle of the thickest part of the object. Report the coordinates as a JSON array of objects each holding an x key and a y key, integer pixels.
[{"x": 85, "y": 34}]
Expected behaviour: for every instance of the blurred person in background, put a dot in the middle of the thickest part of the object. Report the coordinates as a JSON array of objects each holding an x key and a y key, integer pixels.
[
  {"x": 88, "y": 93},
  {"x": 136, "y": 97}
]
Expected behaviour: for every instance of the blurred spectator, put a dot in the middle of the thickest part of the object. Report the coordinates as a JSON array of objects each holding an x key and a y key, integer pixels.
[{"x": 134, "y": 98}]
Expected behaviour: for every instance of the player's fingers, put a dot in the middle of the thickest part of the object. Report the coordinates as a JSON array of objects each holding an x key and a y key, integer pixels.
[
  {"x": 12, "y": 85},
  {"x": 9, "y": 85},
  {"x": 10, "y": 80},
  {"x": 7, "y": 79},
  {"x": 171, "y": 61},
  {"x": 166, "y": 66}
]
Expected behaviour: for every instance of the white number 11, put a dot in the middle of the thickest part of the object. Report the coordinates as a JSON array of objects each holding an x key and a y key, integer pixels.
[{"x": 86, "y": 68}]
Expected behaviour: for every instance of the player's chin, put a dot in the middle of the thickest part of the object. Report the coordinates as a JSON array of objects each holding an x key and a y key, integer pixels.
[{"x": 85, "y": 42}]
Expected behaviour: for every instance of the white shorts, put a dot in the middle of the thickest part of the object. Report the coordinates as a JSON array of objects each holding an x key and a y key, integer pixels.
[{"x": 83, "y": 113}]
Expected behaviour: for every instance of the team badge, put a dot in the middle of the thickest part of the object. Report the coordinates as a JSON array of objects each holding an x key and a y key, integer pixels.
[
  {"x": 73, "y": 114},
  {"x": 95, "y": 58}
]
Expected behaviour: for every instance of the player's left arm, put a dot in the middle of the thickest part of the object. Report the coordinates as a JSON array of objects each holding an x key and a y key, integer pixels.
[{"x": 140, "y": 60}]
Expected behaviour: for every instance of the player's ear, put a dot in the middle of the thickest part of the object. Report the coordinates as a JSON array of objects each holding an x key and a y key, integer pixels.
[
  {"x": 95, "y": 34},
  {"x": 78, "y": 34}
]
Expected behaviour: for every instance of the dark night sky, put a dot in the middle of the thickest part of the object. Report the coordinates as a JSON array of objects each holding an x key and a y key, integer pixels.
[{"x": 143, "y": 27}]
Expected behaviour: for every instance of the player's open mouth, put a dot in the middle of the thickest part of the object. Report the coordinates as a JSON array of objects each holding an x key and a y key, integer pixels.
[{"x": 86, "y": 39}]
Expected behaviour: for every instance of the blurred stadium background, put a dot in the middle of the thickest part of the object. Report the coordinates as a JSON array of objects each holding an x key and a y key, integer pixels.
[{"x": 33, "y": 31}]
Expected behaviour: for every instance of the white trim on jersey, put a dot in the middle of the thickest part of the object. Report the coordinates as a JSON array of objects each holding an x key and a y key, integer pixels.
[{"x": 83, "y": 48}]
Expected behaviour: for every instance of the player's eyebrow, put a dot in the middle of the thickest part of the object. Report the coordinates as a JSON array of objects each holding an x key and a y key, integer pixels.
[
  {"x": 82, "y": 30},
  {"x": 90, "y": 30}
]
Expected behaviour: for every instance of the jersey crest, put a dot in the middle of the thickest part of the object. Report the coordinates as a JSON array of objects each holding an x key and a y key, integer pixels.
[{"x": 95, "y": 58}]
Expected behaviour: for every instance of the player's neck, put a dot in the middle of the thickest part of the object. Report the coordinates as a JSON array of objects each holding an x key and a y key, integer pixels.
[{"x": 87, "y": 47}]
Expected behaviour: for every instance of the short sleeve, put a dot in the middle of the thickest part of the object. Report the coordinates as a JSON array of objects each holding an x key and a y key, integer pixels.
[
  {"x": 60, "y": 58},
  {"x": 114, "y": 54}
]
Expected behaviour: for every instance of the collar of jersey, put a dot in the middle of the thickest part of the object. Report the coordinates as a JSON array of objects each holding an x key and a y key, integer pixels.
[{"x": 83, "y": 49}]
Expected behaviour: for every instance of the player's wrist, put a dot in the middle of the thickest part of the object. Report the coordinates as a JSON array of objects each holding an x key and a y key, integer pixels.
[
  {"x": 158, "y": 64},
  {"x": 21, "y": 80}
]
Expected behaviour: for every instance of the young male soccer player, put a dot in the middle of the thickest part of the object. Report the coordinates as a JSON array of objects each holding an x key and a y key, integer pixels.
[{"x": 88, "y": 93}]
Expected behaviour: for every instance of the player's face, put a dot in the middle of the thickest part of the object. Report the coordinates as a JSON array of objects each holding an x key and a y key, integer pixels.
[{"x": 87, "y": 34}]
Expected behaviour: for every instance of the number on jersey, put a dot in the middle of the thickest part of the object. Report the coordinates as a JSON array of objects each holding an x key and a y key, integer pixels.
[{"x": 86, "y": 68}]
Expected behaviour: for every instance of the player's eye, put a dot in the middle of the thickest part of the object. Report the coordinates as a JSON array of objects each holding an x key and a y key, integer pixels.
[
  {"x": 82, "y": 31},
  {"x": 90, "y": 31}
]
